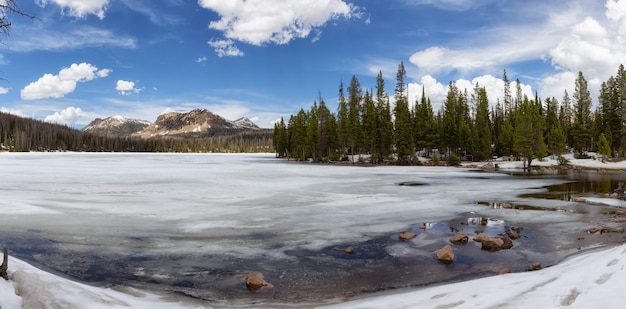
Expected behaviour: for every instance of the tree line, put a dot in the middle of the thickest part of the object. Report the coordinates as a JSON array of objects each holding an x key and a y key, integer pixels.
[
  {"x": 18, "y": 134},
  {"x": 466, "y": 127}
]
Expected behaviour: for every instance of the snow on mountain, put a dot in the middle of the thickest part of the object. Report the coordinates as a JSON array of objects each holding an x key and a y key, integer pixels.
[
  {"x": 116, "y": 125},
  {"x": 198, "y": 122},
  {"x": 245, "y": 123}
]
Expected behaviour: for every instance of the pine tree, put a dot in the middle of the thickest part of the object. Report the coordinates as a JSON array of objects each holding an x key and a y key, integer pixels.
[
  {"x": 312, "y": 133},
  {"x": 482, "y": 126},
  {"x": 556, "y": 140},
  {"x": 355, "y": 95},
  {"x": 604, "y": 149},
  {"x": 403, "y": 128},
  {"x": 342, "y": 122},
  {"x": 581, "y": 129},
  {"x": 528, "y": 137},
  {"x": 385, "y": 125},
  {"x": 370, "y": 127}
]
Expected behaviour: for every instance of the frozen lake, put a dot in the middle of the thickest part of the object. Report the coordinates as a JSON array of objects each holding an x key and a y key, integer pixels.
[{"x": 195, "y": 224}]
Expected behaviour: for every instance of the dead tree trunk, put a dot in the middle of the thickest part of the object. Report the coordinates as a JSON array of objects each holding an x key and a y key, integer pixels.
[{"x": 5, "y": 265}]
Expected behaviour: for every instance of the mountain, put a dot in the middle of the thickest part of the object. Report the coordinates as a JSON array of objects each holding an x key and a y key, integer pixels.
[
  {"x": 196, "y": 123},
  {"x": 116, "y": 126},
  {"x": 245, "y": 123}
]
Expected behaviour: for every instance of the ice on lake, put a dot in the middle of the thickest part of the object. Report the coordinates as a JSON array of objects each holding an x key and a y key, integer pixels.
[{"x": 194, "y": 224}]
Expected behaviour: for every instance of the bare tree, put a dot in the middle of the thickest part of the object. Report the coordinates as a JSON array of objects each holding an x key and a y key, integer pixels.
[{"x": 7, "y": 8}]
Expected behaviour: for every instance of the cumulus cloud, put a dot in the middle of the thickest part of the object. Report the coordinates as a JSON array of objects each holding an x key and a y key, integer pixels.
[
  {"x": 437, "y": 91},
  {"x": 588, "y": 48},
  {"x": 225, "y": 48},
  {"x": 201, "y": 59},
  {"x": 4, "y": 90},
  {"x": 79, "y": 8},
  {"x": 57, "y": 86},
  {"x": 258, "y": 22},
  {"x": 124, "y": 87},
  {"x": 68, "y": 116}
]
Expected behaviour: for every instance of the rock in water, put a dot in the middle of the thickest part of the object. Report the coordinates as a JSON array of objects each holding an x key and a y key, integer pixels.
[
  {"x": 406, "y": 235},
  {"x": 254, "y": 281},
  {"x": 446, "y": 255},
  {"x": 459, "y": 239}
]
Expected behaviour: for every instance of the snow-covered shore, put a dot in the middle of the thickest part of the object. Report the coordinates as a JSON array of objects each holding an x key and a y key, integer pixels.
[{"x": 590, "y": 280}]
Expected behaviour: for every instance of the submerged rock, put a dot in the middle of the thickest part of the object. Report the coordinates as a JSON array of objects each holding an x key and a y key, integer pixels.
[
  {"x": 446, "y": 255},
  {"x": 348, "y": 250},
  {"x": 254, "y": 281},
  {"x": 493, "y": 243},
  {"x": 406, "y": 235},
  {"x": 459, "y": 239}
]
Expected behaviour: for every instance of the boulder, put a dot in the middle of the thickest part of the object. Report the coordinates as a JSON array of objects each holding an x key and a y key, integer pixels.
[
  {"x": 459, "y": 239},
  {"x": 445, "y": 255},
  {"x": 493, "y": 243},
  {"x": 480, "y": 237},
  {"x": 515, "y": 228},
  {"x": 254, "y": 281},
  {"x": 535, "y": 266},
  {"x": 512, "y": 235},
  {"x": 348, "y": 250},
  {"x": 406, "y": 235},
  {"x": 593, "y": 230}
]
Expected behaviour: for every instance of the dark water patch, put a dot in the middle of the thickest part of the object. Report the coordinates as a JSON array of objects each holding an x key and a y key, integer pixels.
[
  {"x": 505, "y": 205},
  {"x": 412, "y": 184}
]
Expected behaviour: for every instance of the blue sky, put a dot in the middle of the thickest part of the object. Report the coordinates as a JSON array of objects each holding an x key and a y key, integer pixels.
[{"x": 263, "y": 59}]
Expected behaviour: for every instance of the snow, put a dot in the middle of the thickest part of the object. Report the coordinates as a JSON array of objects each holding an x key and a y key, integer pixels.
[
  {"x": 592, "y": 280},
  {"x": 30, "y": 287},
  {"x": 213, "y": 204}
]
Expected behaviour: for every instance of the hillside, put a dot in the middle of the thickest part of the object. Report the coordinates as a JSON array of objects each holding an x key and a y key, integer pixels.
[{"x": 24, "y": 134}]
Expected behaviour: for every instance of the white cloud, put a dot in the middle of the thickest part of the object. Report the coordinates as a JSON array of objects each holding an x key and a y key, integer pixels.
[
  {"x": 201, "y": 59},
  {"x": 258, "y": 22},
  {"x": 57, "y": 86},
  {"x": 11, "y": 111},
  {"x": 79, "y": 8},
  {"x": 4, "y": 90},
  {"x": 68, "y": 116},
  {"x": 225, "y": 48},
  {"x": 126, "y": 87},
  {"x": 26, "y": 39},
  {"x": 588, "y": 48},
  {"x": 437, "y": 91}
]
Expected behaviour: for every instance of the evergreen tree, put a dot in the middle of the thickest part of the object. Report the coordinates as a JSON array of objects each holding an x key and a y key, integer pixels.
[
  {"x": 556, "y": 140},
  {"x": 565, "y": 117},
  {"x": 385, "y": 125},
  {"x": 508, "y": 99},
  {"x": 328, "y": 130},
  {"x": 604, "y": 149},
  {"x": 581, "y": 129},
  {"x": 482, "y": 126},
  {"x": 528, "y": 137},
  {"x": 312, "y": 133},
  {"x": 342, "y": 122},
  {"x": 279, "y": 138},
  {"x": 355, "y": 95},
  {"x": 370, "y": 127},
  {"x": 403, "y": 128}
]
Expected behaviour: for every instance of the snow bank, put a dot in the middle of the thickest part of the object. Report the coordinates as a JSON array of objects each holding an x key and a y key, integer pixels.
[
  {"x": 591, "y": 280},
  {"x": 30, "y": 287}
]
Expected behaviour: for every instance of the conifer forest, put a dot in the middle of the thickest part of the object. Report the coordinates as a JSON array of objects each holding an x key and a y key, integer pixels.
[{"x": 373, "y": 127}]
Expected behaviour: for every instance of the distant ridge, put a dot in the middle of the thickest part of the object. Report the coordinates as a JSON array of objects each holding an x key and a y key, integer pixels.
[
  {"x": 116, "y": 126},
  {"x": 195, "y": 123}
]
